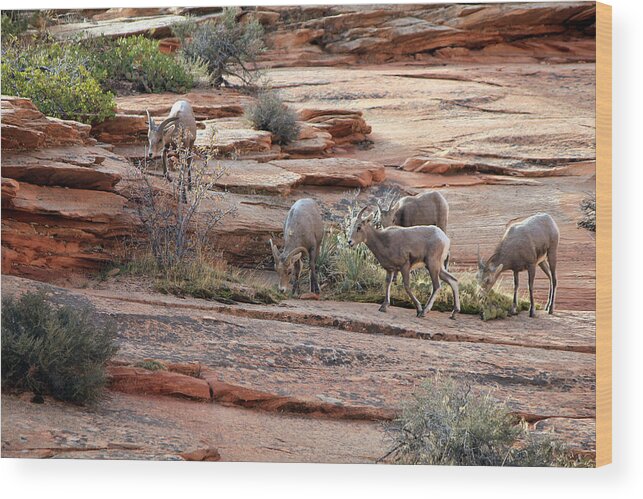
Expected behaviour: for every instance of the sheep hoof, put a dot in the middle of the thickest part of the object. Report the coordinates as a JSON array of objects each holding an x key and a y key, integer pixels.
[
  {"x": 532, "y": 313},
  {"x": 382, "y": 309},
  {"x": 421, "y": 313}
]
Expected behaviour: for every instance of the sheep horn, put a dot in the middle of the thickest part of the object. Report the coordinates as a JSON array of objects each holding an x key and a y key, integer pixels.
[
  {"x": 296, "y": 251},
  {"x": 168, "y": 121}
]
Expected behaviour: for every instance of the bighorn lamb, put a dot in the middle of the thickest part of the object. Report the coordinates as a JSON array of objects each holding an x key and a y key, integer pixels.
[
  {"x": 399, "y": 249},
  {"x": 178, "y": 128},
  {"x": 303, "y": 232},
  {"x": 429, "y": 208},
  {"x": 534, "y": 241}
]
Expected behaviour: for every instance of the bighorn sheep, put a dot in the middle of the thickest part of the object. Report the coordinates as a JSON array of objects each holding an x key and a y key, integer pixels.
[
  {"x": 178, "y": 128},
  {"x": 303, "y": 232},
  {"x": 399, "y": 249},
  {"x": 429, "y": 208},
  {"x": 534, "y": 241}
]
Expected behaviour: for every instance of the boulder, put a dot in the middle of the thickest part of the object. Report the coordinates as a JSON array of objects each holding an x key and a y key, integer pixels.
[
  {"x": 341, "y": 172},
  {"x": 25, "y": 127}
]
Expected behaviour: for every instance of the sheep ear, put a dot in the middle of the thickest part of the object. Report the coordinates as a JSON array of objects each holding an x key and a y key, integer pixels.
[
  {"x": 150, "y": 120},
  {"x": 275, "y": 251}
]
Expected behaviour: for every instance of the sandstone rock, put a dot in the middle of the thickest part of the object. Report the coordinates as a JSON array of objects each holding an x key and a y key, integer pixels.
[
  {"x": 233, "y": 137},
  {"x": 129, "y": 379},
  {"x": 154, "y": 26},
  {"x": 312, "y": 142},
  {"x": 206, "y": 103},
  {"x": 426, "y": 164},
  {"x": 77, "y": 167},
  {"x": 251, "y": 177},
  {"x": 25, "y": 127},
  {"x": 344, "y": 126},
  {"x": 9, "y": 190},
  {"x": 341, "y": 172},
  {"x": 122, "y": 129},
  {"x": 208, "y": 454}
]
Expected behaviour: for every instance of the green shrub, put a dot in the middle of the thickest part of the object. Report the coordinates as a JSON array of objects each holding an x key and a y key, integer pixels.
[
  {"x": 199, "y": 277},
  {"x": 14, "y": 23},
  {"x": 151, "y": 365},
  {"x": 229, "y": 48},
  {"x": 138, "y": 60},
  {"x": 448, "y": 424},
  {"x": 57, "y": 81},
  {"x": 54, "y": 350},
  {"x": 270, "y": 113}
]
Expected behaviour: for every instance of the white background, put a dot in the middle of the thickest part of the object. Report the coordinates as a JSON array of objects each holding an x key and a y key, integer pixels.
[{"x": 147, "y": 480}]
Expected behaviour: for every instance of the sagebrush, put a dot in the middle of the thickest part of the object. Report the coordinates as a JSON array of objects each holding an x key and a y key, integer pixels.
[
  {"x": 55, "y": 350},
  {"x": 588, "y": 207},
  {"x": 448, "y": 423},
  {"x": 270, "y": 113},
  {"x": 229, "y": 48}
]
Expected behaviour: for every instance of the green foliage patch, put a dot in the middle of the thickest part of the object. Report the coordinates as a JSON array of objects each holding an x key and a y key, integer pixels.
[{"x": 54, "y": 350}]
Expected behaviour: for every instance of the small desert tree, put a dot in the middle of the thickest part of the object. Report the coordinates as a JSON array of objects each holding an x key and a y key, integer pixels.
[
  {"x": 178, "y": 217},
  {"x": 228, "y": 47}
]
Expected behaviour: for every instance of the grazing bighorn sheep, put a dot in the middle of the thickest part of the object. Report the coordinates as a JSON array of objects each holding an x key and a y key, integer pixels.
[
  {"x": 534, "y": 241},
  {"x": 303, "y": 232},
  {"x": 399, "y": 249},
  {"x": 178, "y": 128},
  {"x": 429, "y": 208}
]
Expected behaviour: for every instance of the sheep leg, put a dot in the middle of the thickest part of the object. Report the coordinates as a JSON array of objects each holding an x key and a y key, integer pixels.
[
  {"x": 435, "y": 282},
  {"x": 387, "y": 296},
  {"x": 166, "y": 173},
  {"x": 295, "y": 279},
  {"x": 552, "y": 258},
  {"x": 514, "y": 305},
  {"x": 453, "y": 283},
  {"x": 314, "y": 285},
  {"x": 531, "y": 271},
  {"x": 446, "y": 262},
  {"x": 407, "y": 287},
  {"x": 545, "y": 268}
]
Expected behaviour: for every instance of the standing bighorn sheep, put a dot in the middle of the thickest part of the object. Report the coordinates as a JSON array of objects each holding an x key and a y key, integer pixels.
[
  {"x": 534, "y": 241},
  {"x": 399, "y": 249},
  {"x": 303, "y": 233},
  {"x": 179, "y": 128},
  {"x": 429, "y": 208}
]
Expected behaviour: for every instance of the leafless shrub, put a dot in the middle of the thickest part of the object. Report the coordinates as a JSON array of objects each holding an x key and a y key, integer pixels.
[{"x": 178, "y": 221}]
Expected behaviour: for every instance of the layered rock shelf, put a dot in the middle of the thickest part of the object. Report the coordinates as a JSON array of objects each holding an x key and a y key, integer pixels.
[{"x": 60, "y": 208}]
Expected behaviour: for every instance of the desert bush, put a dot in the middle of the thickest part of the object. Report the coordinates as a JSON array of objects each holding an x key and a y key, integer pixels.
[
  {"x": 14, "y": 23},
  {"x": 204, "y": 277},
  {"x": 447, "y": 423},
  {"x": 58, "y": 82},
  {"x": 270, "y": 113},
  {"x": 588, "y": 207},
  {"x": 151, "y": 365},
  {"x": 229, "y": 47},
  {"x": 59, "y": 351},
  {"x": 177, "y": 220},
  {"x": 138, "y": 60}
]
